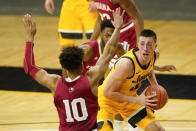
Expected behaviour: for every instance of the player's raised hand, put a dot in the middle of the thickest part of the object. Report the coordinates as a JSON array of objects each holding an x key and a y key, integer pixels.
[
  {"x": 49, "y": 6},
  {"x": 30, "y": 27},
  {"x": 118, "y": 18}
]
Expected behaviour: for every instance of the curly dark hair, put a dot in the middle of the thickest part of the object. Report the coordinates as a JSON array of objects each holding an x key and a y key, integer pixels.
[
  {"x": 149, "y": 33},
  {"x": 71, "y": 58},
  {"x": 106, "y": 23}
]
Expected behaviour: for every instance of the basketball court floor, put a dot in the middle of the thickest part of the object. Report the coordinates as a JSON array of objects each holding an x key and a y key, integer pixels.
[{"x": 34, "y": 111}]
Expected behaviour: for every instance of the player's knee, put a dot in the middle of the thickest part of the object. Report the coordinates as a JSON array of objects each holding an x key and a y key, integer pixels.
[
  {"x": 162, "y": 129},
  {"x": 154, "y": 126},
  {"x": 159, "y": 129}
]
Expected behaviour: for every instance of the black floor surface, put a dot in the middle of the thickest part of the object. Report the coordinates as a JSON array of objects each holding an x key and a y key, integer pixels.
[{"x": 177, "y": 86}]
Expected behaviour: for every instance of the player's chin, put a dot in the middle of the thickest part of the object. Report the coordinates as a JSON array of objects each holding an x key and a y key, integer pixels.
[{"x": 145, "y": 56}]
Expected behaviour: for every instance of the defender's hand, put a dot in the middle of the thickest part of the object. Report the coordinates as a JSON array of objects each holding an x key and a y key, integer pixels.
[
  {"x": 118, "y": 18},
  {"x": 30, "y": 28}
]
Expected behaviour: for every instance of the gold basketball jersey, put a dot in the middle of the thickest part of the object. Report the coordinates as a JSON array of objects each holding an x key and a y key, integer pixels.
[{"x": 132, "y": 83}]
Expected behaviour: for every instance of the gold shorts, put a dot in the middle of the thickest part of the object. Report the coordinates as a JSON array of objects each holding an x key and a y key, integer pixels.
[
  {"x": 74, "y": 20},
  {"x": 135, "y": 114}
]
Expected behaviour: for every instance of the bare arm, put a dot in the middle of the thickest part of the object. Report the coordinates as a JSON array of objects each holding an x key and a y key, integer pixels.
[
  {"x": 96, "y": 31},
  {"x": 124, "y": 69},
  {"x": 88, "y": 52},
  {"x": 48, "y": 80},
  {"x": 41, "y": 76},
  {"x": 152, "y": 78},
  {"x": 120, "y": 51},
  {"x": 164, "y": 68},
  {"x": 131, "y": 9},
  {"x": 97, "y": 72}
]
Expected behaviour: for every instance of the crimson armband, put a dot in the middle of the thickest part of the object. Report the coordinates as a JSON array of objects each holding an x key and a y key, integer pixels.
[{"x": 29, "y": 62}]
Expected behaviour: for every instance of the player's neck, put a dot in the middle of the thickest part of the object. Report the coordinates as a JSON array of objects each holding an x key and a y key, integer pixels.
[{"x": 73, "y": 75}]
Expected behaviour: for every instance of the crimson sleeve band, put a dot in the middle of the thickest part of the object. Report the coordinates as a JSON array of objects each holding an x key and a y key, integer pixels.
[{"x": 29, "y": 62}]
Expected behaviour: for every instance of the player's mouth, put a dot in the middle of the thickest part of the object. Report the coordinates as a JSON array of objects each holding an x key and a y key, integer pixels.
[{"x": 145, "y": 54}]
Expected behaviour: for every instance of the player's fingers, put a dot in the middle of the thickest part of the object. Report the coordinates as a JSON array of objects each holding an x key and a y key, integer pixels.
[
  {"x": 150, "y": 97},
  {"x": 119, "y": 11},
  {"x": 29, "y": 20},
  {"x": 152, "y": 101},
  {"x": 151, "y": 104},
  {"x": 116, "y": 12},
  {"x": 34, "y": 24},
  {"x": 123, "y": 13},
  {"x": 24, "y": 19},
  {"x": 173, "y": 68}
]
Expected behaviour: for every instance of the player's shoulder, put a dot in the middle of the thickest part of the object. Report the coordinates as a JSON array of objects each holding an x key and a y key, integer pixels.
[{"x": 124, "y": 63}]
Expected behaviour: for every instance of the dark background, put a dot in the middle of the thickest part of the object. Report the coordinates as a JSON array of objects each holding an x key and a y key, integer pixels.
[{"x": 150, "y": 9}]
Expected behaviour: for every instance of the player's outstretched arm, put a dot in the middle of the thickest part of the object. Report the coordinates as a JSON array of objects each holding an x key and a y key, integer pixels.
[
  {"x": 88, "y": 52},
  {"x": 164, "y": 68},
  {"x": 96, "y": 30},
  {"x": 120, "y": 50},
  {"x": 131, "y": 9},
  {"x": 98, "y": 71},
  {"x": 40, "y": 75}
]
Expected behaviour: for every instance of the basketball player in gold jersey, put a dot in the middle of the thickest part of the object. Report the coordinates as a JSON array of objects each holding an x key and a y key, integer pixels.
[
  {"x": 76, "y": 17},
  {"x": 118, "y": 93}
]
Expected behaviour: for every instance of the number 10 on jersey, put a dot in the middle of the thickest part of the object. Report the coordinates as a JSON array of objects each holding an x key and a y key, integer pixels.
[{"x": 74, "y": 108}]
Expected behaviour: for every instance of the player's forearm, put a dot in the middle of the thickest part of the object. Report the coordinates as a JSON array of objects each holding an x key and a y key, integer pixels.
[
  {"x": 120, "y": 97},
  {"x": 139, "y": 24},
  {"x": 29, "y": 62},
  {"x": 158, "y": 68},
  {"x": 120, "y": 51},
  {"x": 96, "y": 31},
  {"x": 112, "y": 44}
]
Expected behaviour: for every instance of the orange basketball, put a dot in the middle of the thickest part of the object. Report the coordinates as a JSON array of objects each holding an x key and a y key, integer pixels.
[{"x": 161, "y": 95}]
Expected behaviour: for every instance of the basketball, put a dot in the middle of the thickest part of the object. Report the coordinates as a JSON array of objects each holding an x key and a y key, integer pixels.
[{"x": 161, "y": 95}]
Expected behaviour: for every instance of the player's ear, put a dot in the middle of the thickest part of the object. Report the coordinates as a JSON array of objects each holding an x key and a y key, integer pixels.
[{"x": 155, "y": 45}]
